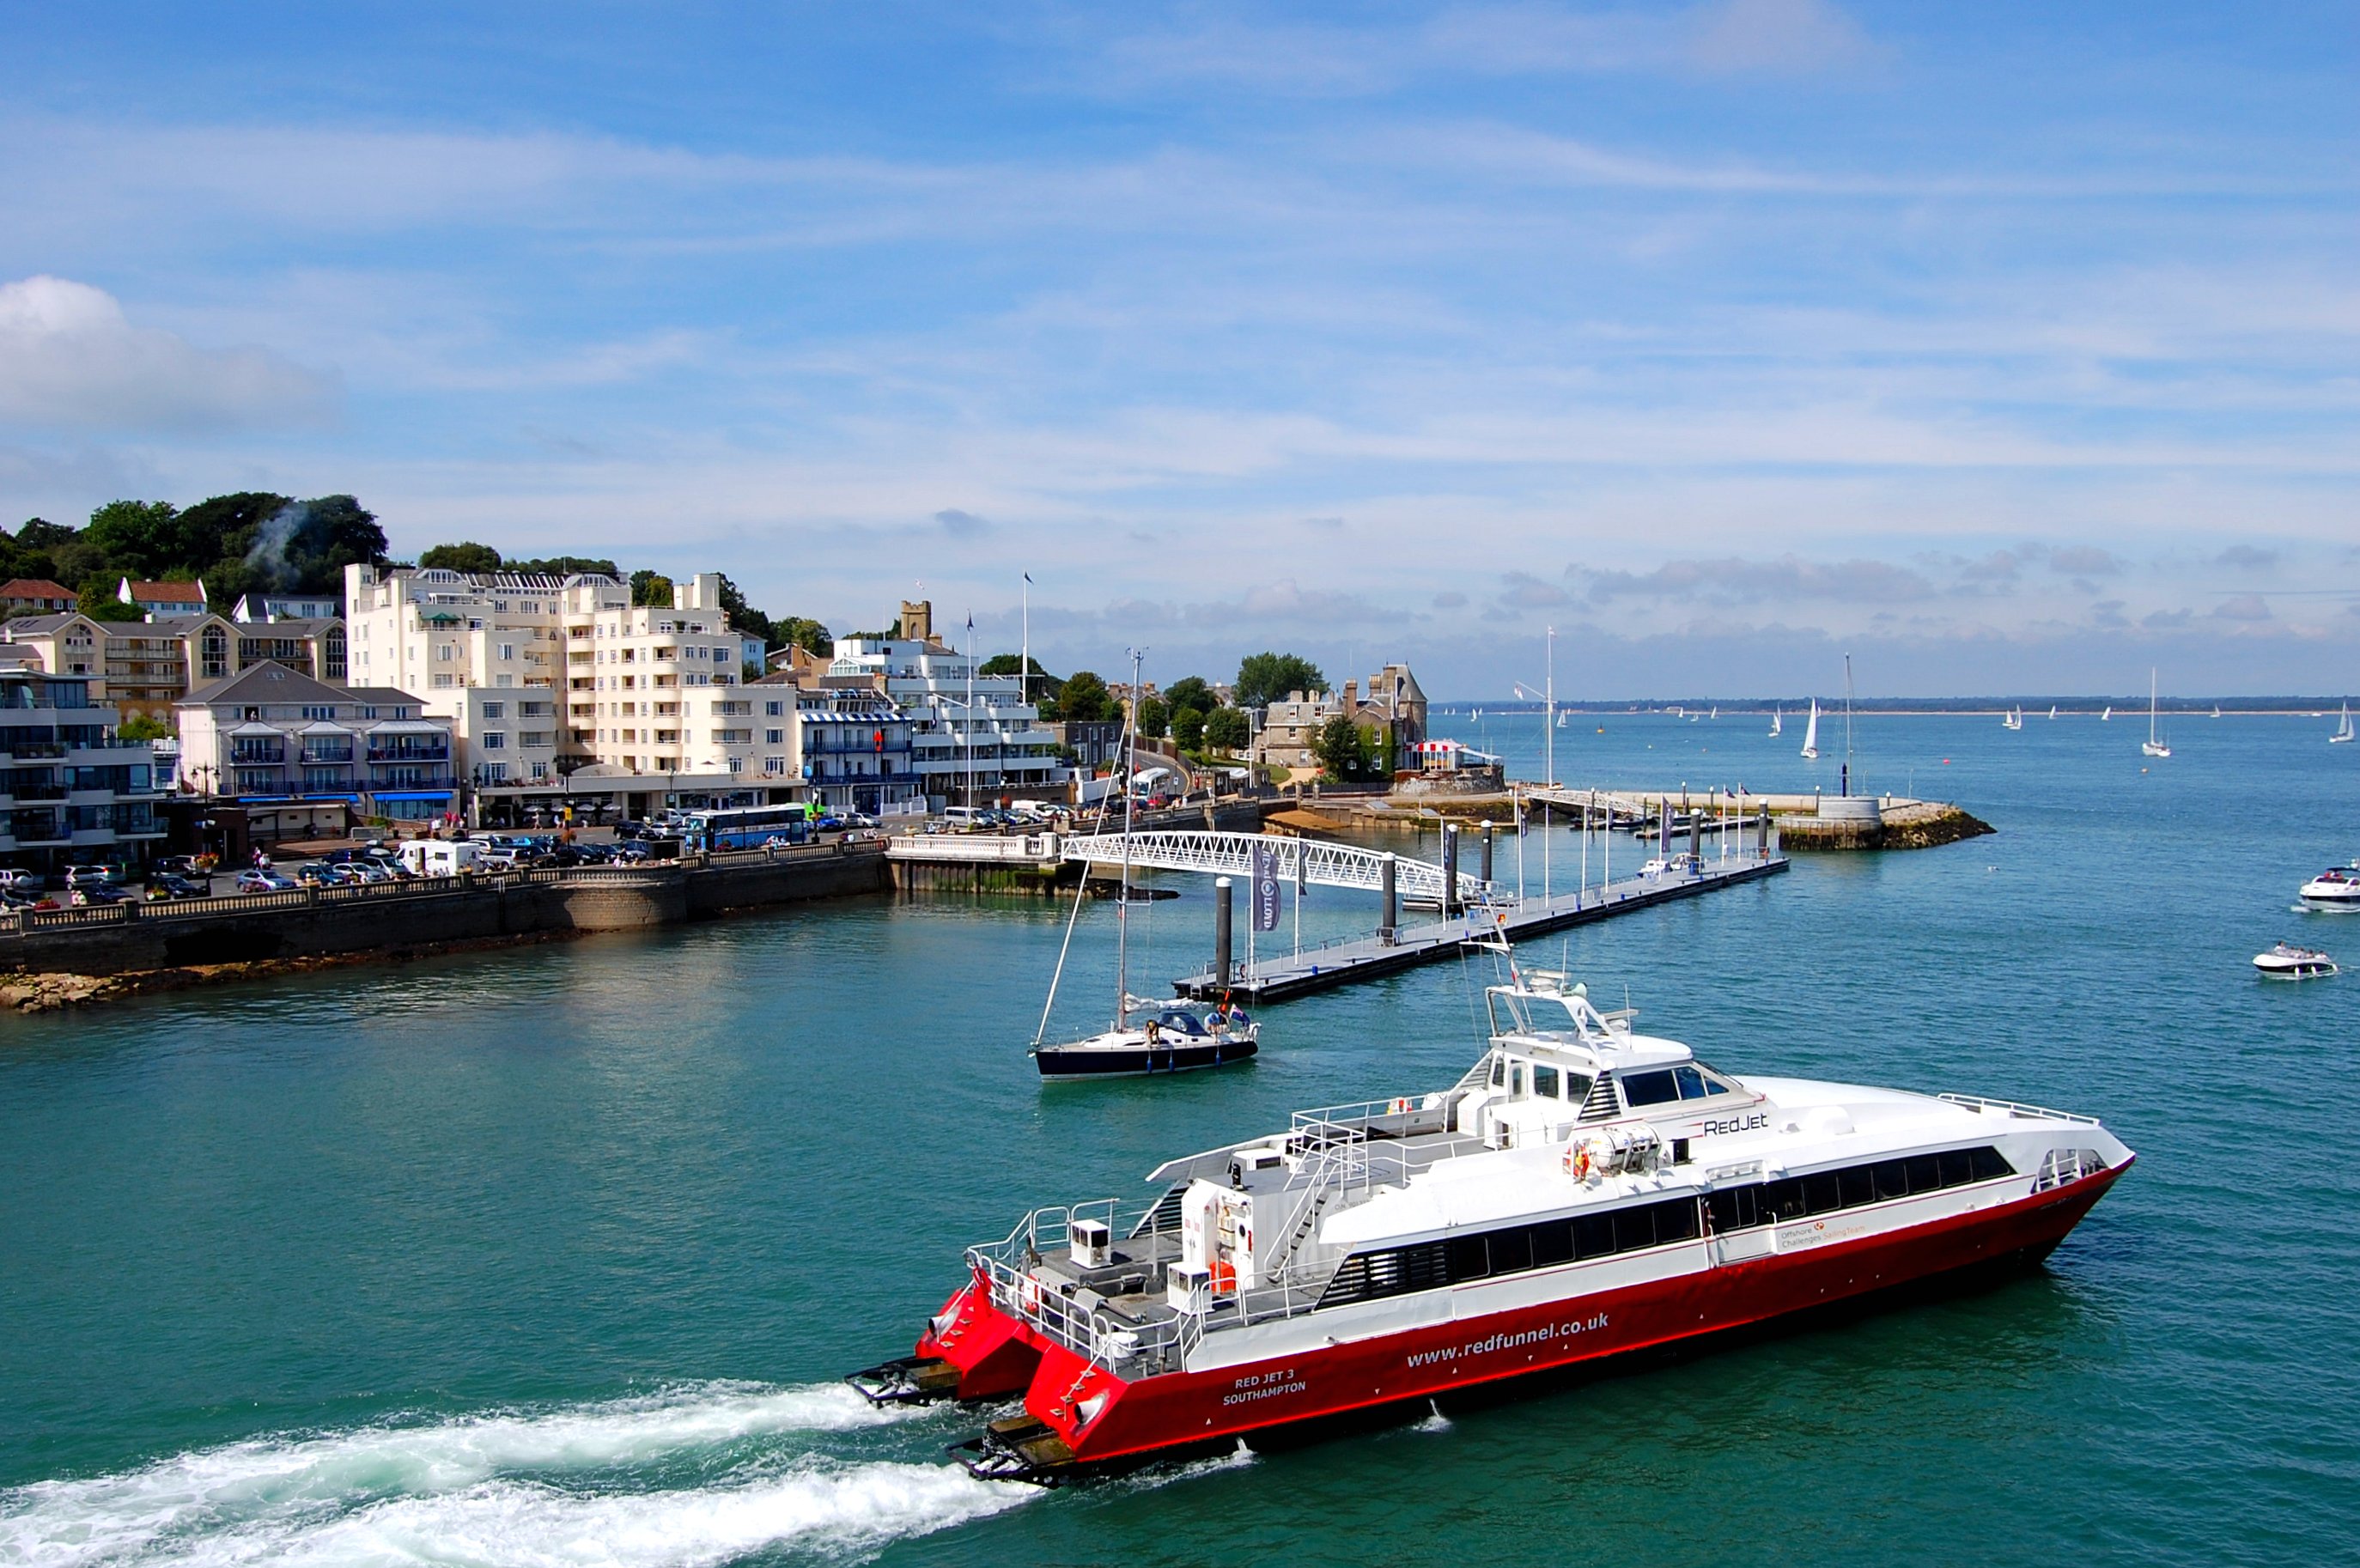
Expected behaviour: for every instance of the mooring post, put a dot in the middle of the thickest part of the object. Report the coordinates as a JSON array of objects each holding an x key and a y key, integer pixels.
[
  {"x": 1762, "y": 834},
  {"x": 1386, "y": 925},
  {"x": 1487, "y": 851},
  {"x": 1449, "y": 870},
  {"x": 1220, "y": 930},
  {"x": 1696, "y": 827}
]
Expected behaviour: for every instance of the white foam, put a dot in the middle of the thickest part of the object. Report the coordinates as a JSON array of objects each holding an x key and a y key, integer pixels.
[
  {"x": 1434, "y": 1421},
  {"x": 266, "y": 1481}
]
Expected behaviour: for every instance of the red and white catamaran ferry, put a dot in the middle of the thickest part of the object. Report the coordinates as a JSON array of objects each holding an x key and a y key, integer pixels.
[{"x": 1584, "y": 1191}]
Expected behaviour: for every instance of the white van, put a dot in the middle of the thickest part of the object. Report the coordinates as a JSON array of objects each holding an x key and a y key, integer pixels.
[
  {"x": 433, "y": 857},
  {"x": 962, "y": 816}
]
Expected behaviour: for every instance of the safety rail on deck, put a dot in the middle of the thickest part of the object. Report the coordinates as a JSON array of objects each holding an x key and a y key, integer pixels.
[{"x": 2014, "y": 1108}]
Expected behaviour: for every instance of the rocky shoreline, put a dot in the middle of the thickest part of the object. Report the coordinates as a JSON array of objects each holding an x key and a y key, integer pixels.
[{"x": 53, "y": 991}]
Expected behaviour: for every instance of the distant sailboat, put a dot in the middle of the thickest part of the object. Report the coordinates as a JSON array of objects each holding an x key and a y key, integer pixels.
[
  {"x": 2052, "y": 710},
  {"x": 2342, "y": 731},
  {"x": 1778, "y": 723},
  {"x": 1811, "y": 732},
  {"x": 2153, "y": 745},
  {"x": 2108, "y": 714},
  {"x": 2014, "y": 720},
  {"x": 1715, "y": 712},
  {"x": 2216, "y": 709}
]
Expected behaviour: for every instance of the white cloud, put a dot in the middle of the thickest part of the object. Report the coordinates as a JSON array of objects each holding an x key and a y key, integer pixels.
[{"x": 69, "y": 357}]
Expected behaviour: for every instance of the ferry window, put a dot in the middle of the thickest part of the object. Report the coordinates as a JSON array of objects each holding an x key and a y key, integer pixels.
[
  {"x": 1593, "y": 1236},
  {"x": 1991, "y": 1165},
  {"x": 1925, "y": 1174},
  {"x": 1821, "y": 1192},
  {"x": 1676, "y": 1221},
  {"x": 1467, "y": 1258},
  {"x": 1498, "y": 1070},
  {"x": 1859, "y": 1186},
  {"x": 1734, "y": 1208},
  {"x": 1543, "y": 1082},
  {"x": 1552, "y": 1243},
  {"x": 1958, "y": 1166},
  {"x": 1577, "y": 1088},
  {"x": 1649, "y": 1088},
  {"x": 1633, "y": 1228},
  {"x": 1691, "y": 1083},
  {"x": 1516, "y": 1082},
  {"x": 1511, "y": 1250},
  {"x": 1892, "y": 1179}
]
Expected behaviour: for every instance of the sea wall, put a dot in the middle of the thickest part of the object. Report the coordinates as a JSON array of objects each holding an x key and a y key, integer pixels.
[
  {"x": 396, "y": 919},
  {"x": 1921, "y": 825}
]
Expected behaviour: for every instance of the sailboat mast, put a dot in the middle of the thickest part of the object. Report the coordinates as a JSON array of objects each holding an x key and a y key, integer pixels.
[
  {"x": 1130, "y": 801},
  {"x": 1846, "y": 767}
]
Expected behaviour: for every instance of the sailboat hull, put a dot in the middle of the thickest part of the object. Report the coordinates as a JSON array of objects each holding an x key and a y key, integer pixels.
[{"x": 1088, "y": 1059}]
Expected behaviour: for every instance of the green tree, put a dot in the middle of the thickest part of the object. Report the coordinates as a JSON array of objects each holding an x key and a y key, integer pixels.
[
  {"x": 464, "y": 556},
  {"x": 1154, "y": 718},
  {"x": 565, "y": 566},
  {"x": 1189, "y": 729},
  {"x": 802, "y": 632},
  {"x": 98, "y": 601},
  {"x": 1228, "y": 729},
  {"x": 1084, "y": 699},
  {"x": 137, "y": 539},
  {"x": 1190, "y": 691},
  {"x": 1337, "y": 747},
  {"x": 1265, "y": 677},
  {"x": 651, "y": 588},
  {"x": 143, "y": 726},
  {"x": 305, "y": 550}
]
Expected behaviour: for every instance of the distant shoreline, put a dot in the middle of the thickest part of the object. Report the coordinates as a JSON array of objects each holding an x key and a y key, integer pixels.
[{"x": 1913, "y": 707}]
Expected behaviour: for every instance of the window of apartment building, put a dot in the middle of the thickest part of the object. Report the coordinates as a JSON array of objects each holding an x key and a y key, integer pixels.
[
  {"x": 508, "y": 650},
  {"x": 733, "y": 737},
  {"x": 495, "y": 710},
  {"x": 531, "y": 738},
  {"x": 541, "y": 771},
  {"x": 736, "y": 765},
  {"x": 773, "y": 710},
  {"x": 446, "y": 652},
  {"x": 774, "y": 738},
  {"x": 440, "y": 680},
  {"x": 494, "y": 740},
  {"x": 774, "y": 766},
  {"x": 319, "y": 713},
  {"x": 504, "y": 679},
  {"x": 496, "y": 773},
  {"x": 532, "y": 710}
]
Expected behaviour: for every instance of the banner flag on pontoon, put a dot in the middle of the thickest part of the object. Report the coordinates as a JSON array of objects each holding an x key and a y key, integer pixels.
[{"x": 1265, "y": 888}]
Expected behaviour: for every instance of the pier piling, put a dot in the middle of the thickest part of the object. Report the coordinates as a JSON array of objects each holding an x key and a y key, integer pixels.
[
  {"x": 1387, "y": 920},
  {"x": 1450, "y": 905},
  {"x": 1487, "y": 849},
  {"x": 1221, "y": 930}
]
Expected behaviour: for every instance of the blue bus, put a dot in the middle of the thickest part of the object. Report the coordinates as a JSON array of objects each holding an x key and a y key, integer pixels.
[{"x": 746, "y": 827}]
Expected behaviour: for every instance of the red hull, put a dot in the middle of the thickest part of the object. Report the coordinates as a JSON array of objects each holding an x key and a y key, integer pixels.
[{"x": 1189, "y": 1408}]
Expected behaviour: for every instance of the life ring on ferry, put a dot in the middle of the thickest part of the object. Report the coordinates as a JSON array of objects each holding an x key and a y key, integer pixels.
[
  {"x": 1577, "y": 1160},
  {"x": 1400, "y": 1106}
]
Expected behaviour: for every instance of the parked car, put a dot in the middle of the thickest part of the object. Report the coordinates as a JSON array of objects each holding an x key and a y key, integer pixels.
[
  {"x": 176, "y": 865},
  {"x": 172, "y": 884},
  {"x": 260, "y": 881},
  {"x": 16, "y": 879},
  {"x": 102, "y": 893},
  {"x": 90, "y": 875}
]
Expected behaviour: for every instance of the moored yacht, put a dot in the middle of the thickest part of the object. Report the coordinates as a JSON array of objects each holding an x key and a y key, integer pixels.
[
  {"x": 1582, "y": 1190},
  {"x": 2337, "y": 887}
]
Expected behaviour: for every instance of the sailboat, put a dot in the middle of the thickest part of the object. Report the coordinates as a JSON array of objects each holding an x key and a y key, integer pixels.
[
  {"x": 2108, "y": 714},
  {"x": 1778, "y": 723},
  {"x": 1715, "y": 712},
  {"x": 1560, "y": 720},
  {"x": 2342, "y": 731},
  {"x": 1811, "y": 732},
  {"x": 1174, "y": 1037},
  {"x": 2013, "y": 721},
  {"x": 2152, "y": 746},
  {"x": 2052, "y": 710},
  {"x": 2216, "y": 709}
]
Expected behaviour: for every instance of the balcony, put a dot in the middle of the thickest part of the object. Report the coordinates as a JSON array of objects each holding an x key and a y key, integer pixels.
[{"x": 419, "y": 754}]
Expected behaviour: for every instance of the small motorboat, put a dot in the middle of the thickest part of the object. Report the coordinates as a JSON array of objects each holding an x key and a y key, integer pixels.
[{"x": 2288, "y": 962}]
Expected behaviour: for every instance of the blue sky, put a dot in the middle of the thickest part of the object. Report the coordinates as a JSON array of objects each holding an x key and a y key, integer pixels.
[{"x": 2010, "y": 347}]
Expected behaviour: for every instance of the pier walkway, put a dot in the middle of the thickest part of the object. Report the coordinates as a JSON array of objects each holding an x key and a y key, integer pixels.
[{"x": 1278, "y": 976}]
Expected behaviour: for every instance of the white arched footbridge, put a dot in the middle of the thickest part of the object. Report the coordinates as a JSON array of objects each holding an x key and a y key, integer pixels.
[{"x": 1323, "y": 863}]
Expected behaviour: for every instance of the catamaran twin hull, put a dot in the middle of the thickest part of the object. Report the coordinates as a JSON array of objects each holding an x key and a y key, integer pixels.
[
  {"x": 1582, "y": 1191},
  {"x": 1080, "y": 1412}
]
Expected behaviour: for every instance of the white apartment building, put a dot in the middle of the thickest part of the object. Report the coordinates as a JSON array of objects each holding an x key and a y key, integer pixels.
[
  {"x": 973, "y": 737},
  {"x": 654, "y": 689},
  {"x": 482, "y": 649}
]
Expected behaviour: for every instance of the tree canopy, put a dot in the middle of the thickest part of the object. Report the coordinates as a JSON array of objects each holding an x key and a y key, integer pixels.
[
  {"x": 1154, "y": 718},
  {"x": 1347, "y": 750},
  {"x": 1266, "y": 678},
  {"x": 246, "y": 542},
  {"x": 464, "y": 556},
  {"x": 1189, "y": 729},
  {"x": 1228, "y": 729},
  {"x": 1190, "y": 691},
  {"x": 1084, "y": 699}
]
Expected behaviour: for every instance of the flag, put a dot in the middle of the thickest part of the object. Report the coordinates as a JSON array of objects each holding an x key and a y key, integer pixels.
[
  {"x": 1028, "y": 577},
  {"x": 1265, "y": 888}
]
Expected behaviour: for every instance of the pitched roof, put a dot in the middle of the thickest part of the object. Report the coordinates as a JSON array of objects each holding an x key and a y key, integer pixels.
[
  {"x": 170, "y": 593},
  {"x": 269, "y": 681},
  {"x": 36, "y": 588},
  {"x": 38, "y": 625}
]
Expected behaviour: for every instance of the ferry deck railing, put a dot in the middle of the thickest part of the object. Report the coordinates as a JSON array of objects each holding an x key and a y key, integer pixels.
[{"x": 2024, "y": 1111}]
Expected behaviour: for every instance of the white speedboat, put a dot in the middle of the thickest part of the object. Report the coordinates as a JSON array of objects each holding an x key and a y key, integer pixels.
[
  {"x": 1579, "y": 1193},
  {"x": 2337, "y": 887},
  {"x": 2288, "y": 962}
]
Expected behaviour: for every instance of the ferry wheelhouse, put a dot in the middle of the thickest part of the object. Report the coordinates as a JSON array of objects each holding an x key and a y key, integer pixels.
[{"x": 1583, "y": 1190}]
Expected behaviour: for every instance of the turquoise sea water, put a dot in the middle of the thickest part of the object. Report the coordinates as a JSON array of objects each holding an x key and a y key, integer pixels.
[{"x": 552, "y": 1256}]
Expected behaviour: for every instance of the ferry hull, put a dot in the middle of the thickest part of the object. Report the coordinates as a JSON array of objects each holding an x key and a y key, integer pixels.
[{"x": 1100, "y": 1418}]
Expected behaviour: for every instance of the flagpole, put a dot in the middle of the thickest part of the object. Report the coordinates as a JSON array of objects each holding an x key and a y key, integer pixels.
[{"x": 1024, "y": 659}]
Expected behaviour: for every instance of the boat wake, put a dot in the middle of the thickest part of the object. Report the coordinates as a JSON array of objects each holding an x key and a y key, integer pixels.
[
  {"x": 691, "y": 1474},
  {"x": 1435, "y": 1421}
]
